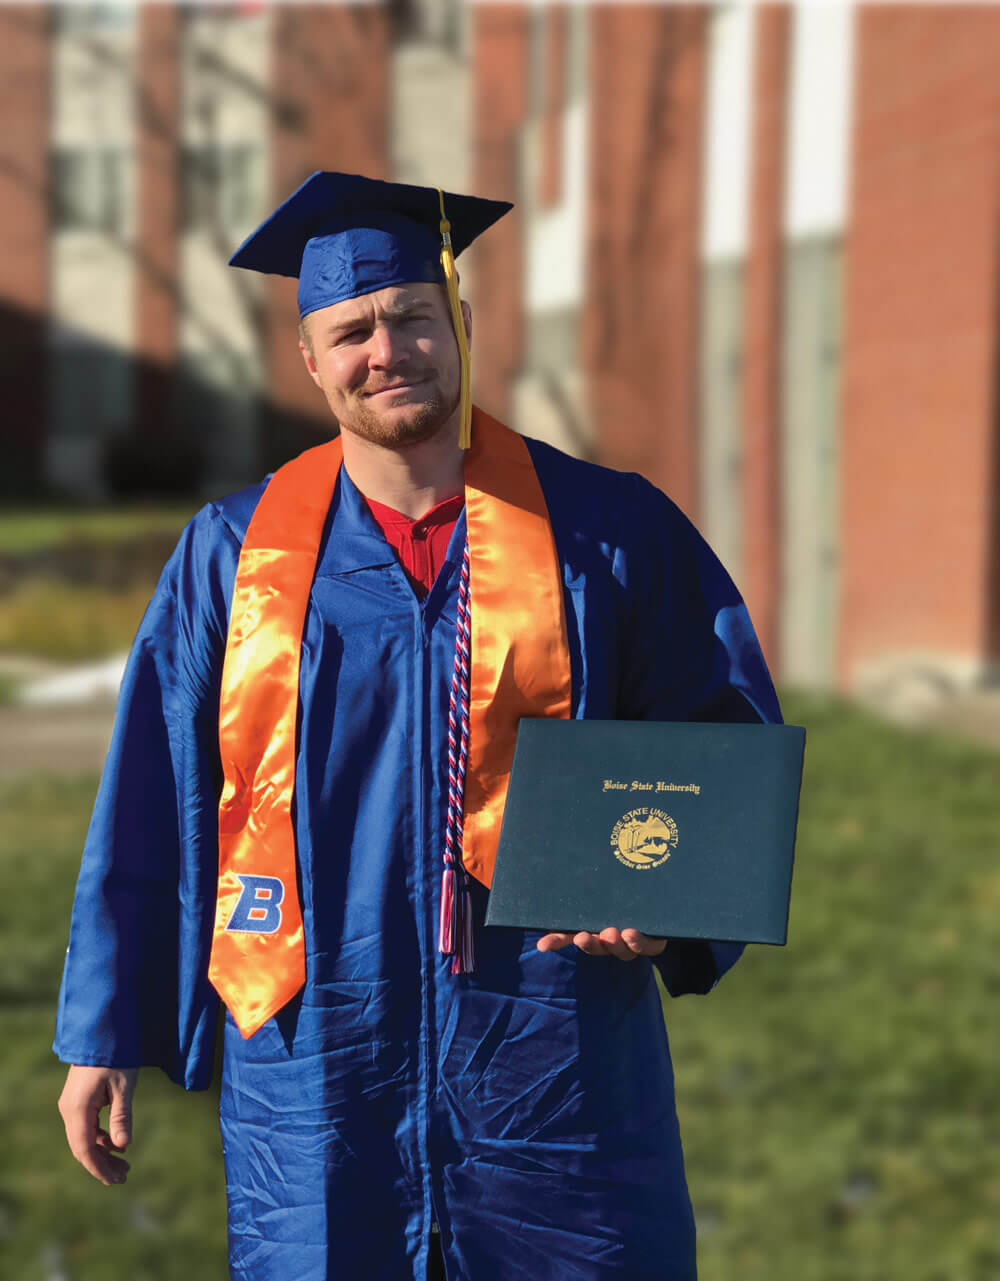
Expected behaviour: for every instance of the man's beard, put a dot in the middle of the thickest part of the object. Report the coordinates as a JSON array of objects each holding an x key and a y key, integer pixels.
[{"x": 421, "y": 421}]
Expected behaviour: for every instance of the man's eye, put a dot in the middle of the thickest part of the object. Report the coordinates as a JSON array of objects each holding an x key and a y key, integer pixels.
[{"x": 352, "y": 335}]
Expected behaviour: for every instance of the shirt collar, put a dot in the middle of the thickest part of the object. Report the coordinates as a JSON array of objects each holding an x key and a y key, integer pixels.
[
  {"x": 441, "y": 513},
  {"x": 353, "y": 539}
]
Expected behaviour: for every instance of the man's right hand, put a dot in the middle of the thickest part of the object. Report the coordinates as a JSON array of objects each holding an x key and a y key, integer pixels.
[{"x": 87, "y": 1090}]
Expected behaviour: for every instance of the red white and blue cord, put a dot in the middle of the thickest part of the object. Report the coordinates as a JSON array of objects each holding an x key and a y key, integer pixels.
[{"x": 455, "y": 925}]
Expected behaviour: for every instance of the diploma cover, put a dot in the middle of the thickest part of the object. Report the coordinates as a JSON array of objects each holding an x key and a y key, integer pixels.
[{"x": 680, "y": 829}]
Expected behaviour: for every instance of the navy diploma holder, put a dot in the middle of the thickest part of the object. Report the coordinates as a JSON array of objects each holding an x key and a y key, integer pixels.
[{"x": 679, "y": 829}]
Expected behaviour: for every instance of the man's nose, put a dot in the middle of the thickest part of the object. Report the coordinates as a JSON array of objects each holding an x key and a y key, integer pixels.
[{"x": 386, "y": 348}]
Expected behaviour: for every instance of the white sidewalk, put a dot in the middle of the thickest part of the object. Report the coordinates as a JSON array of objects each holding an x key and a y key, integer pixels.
[{"x": 88, "y": 683}]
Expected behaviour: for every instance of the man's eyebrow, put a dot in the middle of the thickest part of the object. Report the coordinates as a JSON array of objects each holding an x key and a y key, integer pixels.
[
  {"x": 400, "y": 310},
  {"x": 397, "y": 311},
  {"x": 342, "y": 326}
]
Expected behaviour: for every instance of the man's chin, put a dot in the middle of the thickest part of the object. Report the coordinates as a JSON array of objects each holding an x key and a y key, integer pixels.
[{"x": 396, "y": 425}]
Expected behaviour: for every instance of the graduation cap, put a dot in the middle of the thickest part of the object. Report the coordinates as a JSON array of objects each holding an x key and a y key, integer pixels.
[{"x": 344, "y": 235}]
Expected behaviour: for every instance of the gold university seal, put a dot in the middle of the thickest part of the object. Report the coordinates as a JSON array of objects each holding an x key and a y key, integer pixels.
[{"x": 644, "y": 838}]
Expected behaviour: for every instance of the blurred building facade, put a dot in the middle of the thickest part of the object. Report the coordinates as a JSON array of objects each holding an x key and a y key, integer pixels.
[
  {"x": 149, "y": 141},
  {"x": 754, "y": 256}
]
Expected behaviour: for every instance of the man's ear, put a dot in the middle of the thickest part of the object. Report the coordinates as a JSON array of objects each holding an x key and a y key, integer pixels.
[
  {"x": 310, "y": 361},
  {"x": 467, "y": 318}
]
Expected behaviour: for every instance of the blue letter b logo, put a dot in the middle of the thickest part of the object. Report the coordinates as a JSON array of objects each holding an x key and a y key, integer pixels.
[{"x": 257, "y": 911}]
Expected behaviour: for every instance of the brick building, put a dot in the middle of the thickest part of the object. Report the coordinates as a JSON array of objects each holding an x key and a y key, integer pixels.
[
  {"x": 754, "y": 255},
  {"x": 757, "y": 259},
  {"x": 143, "y": 143}
]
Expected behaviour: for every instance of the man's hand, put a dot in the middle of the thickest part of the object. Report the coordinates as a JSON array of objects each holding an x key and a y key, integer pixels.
[
  {"x": 626, "y": 944},
  {"x": 87, "y": 1090}
]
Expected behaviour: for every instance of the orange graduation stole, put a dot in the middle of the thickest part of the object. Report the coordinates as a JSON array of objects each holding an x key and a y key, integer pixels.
[{"x": 519, "y": 667}]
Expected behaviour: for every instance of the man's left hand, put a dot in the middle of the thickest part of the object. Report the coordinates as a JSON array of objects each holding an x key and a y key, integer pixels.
[{"x": 626, "y": 944}]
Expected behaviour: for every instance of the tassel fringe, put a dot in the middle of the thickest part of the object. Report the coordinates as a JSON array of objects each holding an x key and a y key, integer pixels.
[
  {"x": 455, "y": 923},
  {"x": 451, "y": 280}
]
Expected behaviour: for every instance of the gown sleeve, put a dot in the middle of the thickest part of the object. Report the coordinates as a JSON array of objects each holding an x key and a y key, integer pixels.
[
  {"x": 134, "y": 990},
  {"x": 692, "y": 656}
]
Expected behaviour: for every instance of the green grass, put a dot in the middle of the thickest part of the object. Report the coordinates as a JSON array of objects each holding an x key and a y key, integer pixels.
[
  {"x": 837, "y": 1097},
  {"x": 71, "y": 623},
  {"x": 168, "y": 1224},
  {"x": 38, "y": 528},
  {"x": 50, "y": 608}
]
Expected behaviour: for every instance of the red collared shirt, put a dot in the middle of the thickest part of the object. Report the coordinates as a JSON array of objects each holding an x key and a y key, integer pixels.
[{"x": 421, "y": 545}]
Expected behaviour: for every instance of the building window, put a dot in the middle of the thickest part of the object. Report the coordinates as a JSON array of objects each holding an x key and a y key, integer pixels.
[
  {"x": 223, "y": 187},
  {"x": 88, "y": 19},
  {"x": 89, "y": 189},
  {"x": 91, "y": 389}
]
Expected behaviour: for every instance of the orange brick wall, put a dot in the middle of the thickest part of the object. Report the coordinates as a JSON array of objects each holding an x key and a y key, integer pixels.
[
  {"x": 500, "y": 103},
  {"x": 762, "y": 329},
  {"x": 918, "y": 413},
  {"x": 640, "y": 322},
  {"x": 158, "y": 212},
  {"x": 330, "y": 93},
  {"x": 24, "y": 252},
  {"x": 551, "y": 149}
]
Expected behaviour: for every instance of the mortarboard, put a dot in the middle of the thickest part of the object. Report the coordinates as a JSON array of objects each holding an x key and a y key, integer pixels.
[{"x": 344, "y": 235}]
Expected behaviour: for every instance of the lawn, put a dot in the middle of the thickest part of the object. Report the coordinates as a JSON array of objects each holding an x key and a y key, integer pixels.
[
  {"x": 838, "y": 1097},
  {"x": 34, "y": 529},
  {"x": 74, "y": 582},
  {"x": 56, "y": 1223},
  {"x": 71, "y": 623}
]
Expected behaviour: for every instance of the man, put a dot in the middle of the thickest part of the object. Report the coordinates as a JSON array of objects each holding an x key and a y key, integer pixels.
[{"x": 300, "y": 806}]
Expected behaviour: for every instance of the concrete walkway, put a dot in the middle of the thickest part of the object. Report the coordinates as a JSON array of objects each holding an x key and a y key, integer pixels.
[
  {"x": 66, "y": 738},
  {"x": 61, "y": 722},
  {"x": 60, "y": 719},
  {"x": 975, "y": 716}
]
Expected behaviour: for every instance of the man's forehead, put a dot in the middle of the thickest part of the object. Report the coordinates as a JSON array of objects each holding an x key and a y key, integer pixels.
[{"x": 394, "y": 298}]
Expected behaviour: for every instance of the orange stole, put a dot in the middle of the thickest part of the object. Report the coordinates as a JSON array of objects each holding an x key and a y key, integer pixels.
[
  {"x": 520, "y": 654},
  {"x": 519, "y": 667}
]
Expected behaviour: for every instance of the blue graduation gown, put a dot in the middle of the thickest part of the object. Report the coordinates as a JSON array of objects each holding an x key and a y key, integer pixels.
[{"x": 527, "y": 1107}]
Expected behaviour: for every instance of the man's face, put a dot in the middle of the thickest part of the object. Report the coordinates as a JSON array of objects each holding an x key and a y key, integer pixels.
[{"x": 387, "y": 362}]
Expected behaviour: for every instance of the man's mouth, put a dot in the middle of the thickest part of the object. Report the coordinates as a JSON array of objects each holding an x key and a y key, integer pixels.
[{"x": 395, "y": 387}]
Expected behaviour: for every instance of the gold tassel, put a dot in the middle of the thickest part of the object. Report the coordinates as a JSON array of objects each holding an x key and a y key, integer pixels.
[{"x": 451, "y": 279}]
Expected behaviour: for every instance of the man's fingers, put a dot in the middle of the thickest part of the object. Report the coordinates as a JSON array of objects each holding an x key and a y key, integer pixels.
[
  {"x": 111, "y": 1164},
  {"x": 591, "y": 944},
  {"x": 87, "y": 1141},
  {"x": 644, "y": 944},
  {"x": 81, "y": 1131},
  {"x": 551, "y": 942},
  {"x": 120, "y": 1114},
  {"x": 103, "y": 1165},
  {"x": 86, "y": 1092},
  {"x": 105, "y": 1141},
  {"x": 110, "y": 1170},
  {"x": 616, "y": 944},
  {"x": 585, "y": 941},
  {"x": 625, "y": 944}
]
